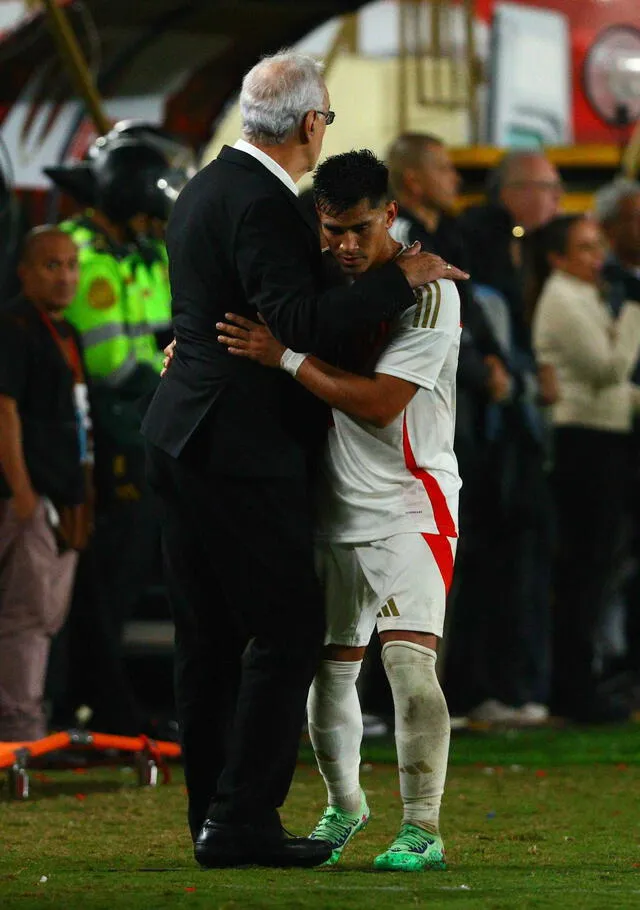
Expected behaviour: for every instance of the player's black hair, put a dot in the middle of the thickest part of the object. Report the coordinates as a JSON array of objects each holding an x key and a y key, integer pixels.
[
  {"x": 552, "y": 237},
  {"x": 343, "y": 181}
]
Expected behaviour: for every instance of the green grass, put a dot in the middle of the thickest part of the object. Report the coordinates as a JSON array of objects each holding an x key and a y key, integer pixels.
[{"x": 534, "y": 820}]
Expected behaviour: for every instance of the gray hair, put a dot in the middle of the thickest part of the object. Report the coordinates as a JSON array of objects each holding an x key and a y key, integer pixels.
[
  {"x": 277, "y": 93},
  {"x": 607, "y": 200}
]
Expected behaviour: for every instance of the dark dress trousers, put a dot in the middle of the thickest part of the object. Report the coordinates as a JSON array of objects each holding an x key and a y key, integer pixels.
[{"x": 230, "y": 450}]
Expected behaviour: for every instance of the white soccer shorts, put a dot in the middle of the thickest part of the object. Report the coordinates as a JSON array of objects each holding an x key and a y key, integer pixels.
[{"x": 396, "y": 584}]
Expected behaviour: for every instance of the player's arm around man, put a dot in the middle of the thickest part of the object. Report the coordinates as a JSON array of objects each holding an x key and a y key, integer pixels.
[{"x": 377, "y": 399}]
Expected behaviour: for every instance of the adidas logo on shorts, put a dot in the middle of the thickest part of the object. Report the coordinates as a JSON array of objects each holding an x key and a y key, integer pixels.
[{"x": 389, "y": 609}]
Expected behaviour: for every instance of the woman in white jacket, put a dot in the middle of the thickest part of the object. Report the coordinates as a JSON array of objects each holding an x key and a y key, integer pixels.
[{"x": 593, "y": 352}]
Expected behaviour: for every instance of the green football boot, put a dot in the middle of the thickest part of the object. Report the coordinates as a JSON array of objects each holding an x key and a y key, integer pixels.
[
  {"x": 413, "y": 850},
  {"x": 338, "y": 827}
]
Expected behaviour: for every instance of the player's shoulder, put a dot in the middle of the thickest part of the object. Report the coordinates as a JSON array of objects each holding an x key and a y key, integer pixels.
[
  {"x": 401, "y": 230},
  {"x": 437, "y": 306}
]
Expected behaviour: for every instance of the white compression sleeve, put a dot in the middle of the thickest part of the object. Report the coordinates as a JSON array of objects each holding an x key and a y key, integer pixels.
[
  {"x": 423, "y": 730},
  {"x": 335, "y": 728}
]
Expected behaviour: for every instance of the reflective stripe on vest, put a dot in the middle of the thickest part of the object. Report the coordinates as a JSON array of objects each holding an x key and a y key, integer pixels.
[
  {"x": 138, "y": 294},
  {"x": 115, "y": 337}
]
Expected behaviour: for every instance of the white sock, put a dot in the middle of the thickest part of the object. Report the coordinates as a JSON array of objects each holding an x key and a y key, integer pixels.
[
  {"x": 335, "y": 728},
  {"x": 423, "y": 730}
]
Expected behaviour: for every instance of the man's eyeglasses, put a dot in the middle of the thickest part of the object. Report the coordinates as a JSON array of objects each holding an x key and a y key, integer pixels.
[
  {"x": 554, "y": 186},
  {"x": 329, "y": 116}
]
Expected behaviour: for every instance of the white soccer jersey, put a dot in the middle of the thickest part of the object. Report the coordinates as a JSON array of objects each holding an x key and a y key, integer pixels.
[{"x": 404, "y": 477}]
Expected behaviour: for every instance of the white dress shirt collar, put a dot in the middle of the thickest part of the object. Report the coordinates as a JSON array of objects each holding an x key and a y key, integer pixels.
[{"x": 268, "y": 162}]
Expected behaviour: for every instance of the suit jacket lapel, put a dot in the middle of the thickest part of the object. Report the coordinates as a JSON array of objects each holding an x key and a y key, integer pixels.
[{"x": 250, "y": 163}]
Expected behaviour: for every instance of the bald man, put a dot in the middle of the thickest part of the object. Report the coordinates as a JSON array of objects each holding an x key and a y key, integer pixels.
[
  {"x": 499, "y": 659},
  {"x": 426, "y": 183},
  {"x": 524, "y": 193},
  {"x": 44, "y": 451}
]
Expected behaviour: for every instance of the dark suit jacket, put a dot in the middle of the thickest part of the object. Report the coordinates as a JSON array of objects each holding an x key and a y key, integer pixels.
[
  {"x": 448, "y": 241},
  {"x": 476, "y": 343},
  {"x": 488, "y": 233},
  {"x": 239, "y": 241}
]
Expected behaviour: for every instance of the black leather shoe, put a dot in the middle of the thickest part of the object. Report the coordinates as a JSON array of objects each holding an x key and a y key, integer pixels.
[
  {"x": 224, "y": 844},
  {"x": 599, "y": 709},
  {"x": 611, "y": 709}
]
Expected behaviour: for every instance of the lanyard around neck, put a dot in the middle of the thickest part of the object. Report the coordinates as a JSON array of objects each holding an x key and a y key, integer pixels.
[{"x": 69, "y": 350}]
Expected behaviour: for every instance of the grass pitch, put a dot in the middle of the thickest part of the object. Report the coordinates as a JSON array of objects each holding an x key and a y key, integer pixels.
[{"x": 546, "y": 819}]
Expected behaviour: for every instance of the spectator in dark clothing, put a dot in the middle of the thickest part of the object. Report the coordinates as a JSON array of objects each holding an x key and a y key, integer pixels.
[
  {"x": 617, "y": 208},
  {"x": 501, "y": 663},
  {"x": 45, "y": 461},
  {"x": 593, "y": 353},
  {"x": 524, "y": 193},
  {"x": 425, "y": 185},
  {"x": 618, "y": 211}
]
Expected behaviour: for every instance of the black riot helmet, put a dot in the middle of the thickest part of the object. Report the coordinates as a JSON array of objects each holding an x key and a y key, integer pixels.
[
  {"x": 179, "y": 155},
  {"x": 76, "y": 179},
  {"x": 132, "y": 177}
]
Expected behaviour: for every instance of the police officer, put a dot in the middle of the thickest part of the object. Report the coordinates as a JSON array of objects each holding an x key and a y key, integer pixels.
[
  {"x": 153, "y": 264},
  {"x": 130, "y": 183}
]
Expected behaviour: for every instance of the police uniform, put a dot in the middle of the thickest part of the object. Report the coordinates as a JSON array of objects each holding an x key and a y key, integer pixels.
[
  {"x": 111, "y": 308},
  {"x": 111, "y": 311},
  {"x": 152, "y": 275}
]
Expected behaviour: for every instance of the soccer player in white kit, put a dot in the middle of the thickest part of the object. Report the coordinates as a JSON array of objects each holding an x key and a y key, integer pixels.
[{"x": 387, "y": 521}]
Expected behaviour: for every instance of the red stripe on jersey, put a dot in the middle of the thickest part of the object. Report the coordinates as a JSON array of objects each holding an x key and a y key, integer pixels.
[
  {"x": 442, "y": 516},
  {"x": 440, "y": 546}
]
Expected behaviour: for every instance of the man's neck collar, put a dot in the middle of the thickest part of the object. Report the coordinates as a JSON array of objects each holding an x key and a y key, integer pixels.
[
  {"x": 54, "y": 313},
  {"x": 283, "y": 156}
]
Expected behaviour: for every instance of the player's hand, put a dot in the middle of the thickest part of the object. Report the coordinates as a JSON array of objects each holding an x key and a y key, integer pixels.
[
  {"x": 245, "y": 338},
  {"x": 499, "y": 381},
  {"x": 168, "y": 352},
  {"x": 421, "y": 268}
]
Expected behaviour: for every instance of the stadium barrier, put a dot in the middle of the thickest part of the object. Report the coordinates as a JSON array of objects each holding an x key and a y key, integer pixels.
[{"x": 150, "y": 755}]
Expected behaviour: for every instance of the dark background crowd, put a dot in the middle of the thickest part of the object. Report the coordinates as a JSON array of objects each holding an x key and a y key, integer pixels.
[{"x": 544, "y": 615}]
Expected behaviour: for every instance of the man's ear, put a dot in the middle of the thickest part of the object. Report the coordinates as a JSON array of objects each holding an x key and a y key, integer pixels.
[
  {"x": 308, "y": 126},
  {"x": 391, "y": 212}
]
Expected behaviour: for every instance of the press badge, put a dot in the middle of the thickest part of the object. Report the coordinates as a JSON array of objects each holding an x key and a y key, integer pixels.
[{"x": 83, "y": 422}]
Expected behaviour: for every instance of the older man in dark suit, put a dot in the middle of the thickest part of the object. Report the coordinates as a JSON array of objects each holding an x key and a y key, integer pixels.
[{"x": 230, "y": 448}]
